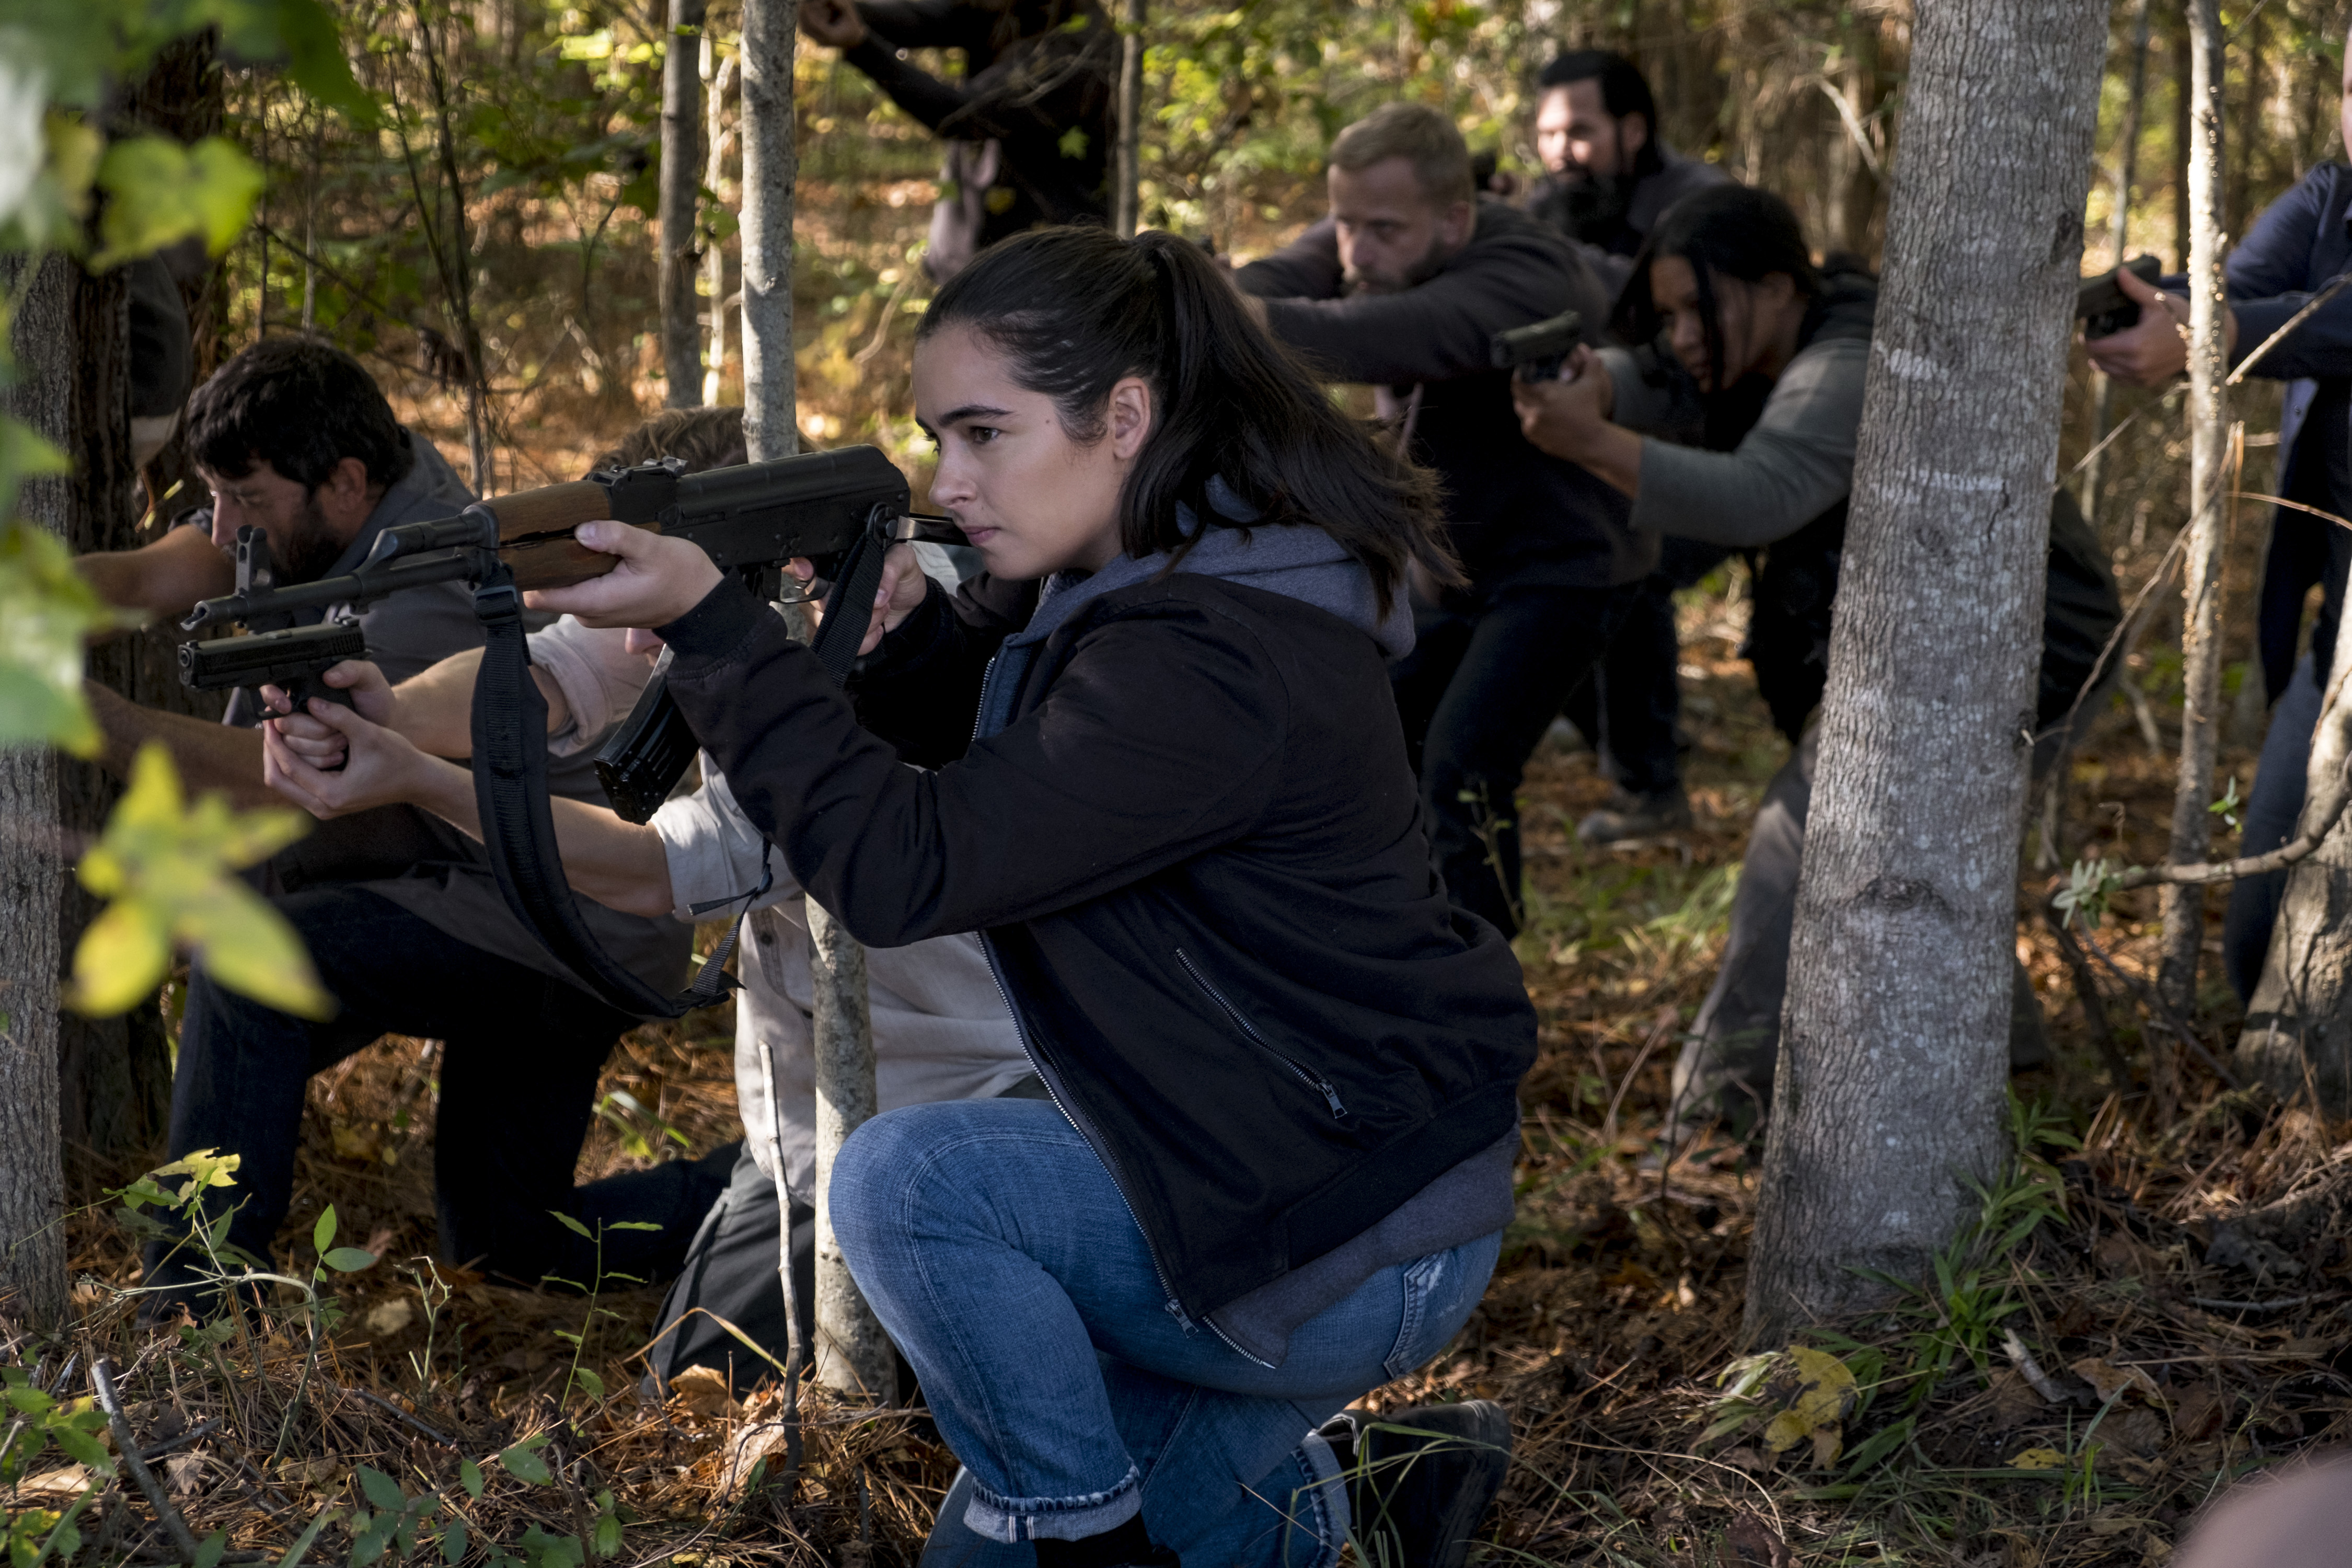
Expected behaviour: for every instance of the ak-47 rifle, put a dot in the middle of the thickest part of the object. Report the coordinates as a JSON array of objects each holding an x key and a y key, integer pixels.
[{"x": 840, "y": 510}]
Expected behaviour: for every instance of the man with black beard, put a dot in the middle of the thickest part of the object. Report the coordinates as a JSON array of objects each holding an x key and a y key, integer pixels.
[
  {"x": 1402, "y": 287},
  {"x": 1608, "y": 177},
  {"x": 400, "y": 913}
]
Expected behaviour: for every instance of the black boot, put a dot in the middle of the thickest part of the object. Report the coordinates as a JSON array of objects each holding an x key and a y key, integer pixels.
[
  {"x": 1420, "y": 1482},
  {"x": 1128, "y": 1546}
]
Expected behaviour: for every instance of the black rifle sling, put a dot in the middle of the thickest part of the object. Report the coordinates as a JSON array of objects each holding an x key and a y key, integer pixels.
[
  {"x": 519, "y": 827},
  {"x": 509, "y": 731}
]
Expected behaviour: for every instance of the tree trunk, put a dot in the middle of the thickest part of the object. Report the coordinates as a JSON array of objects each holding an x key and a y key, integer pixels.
[
  {"x": 2118, "y": 238},
  {"x": 115, "y": 1074},
  {"x": 32, "y": 870},
  {"x": 681, "y": 187},
  {"x": 2183, "y": 89},
  {"x": 843, "y": 1028},
  {"x": 1128, "y": 211},
  {"x": 852, "y": 1354},
  {"x": 1893, "y": 1048},
  {"x": 2298, "y": 1033},
  {"x": 716, "y": 78},
  {"x": 2183, "y": 908}
]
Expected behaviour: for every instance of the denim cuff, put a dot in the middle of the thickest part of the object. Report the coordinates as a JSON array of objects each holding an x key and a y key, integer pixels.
[
  {"x": 1015, "y": 1519},
  {"x": 1320, "y": 1507}
]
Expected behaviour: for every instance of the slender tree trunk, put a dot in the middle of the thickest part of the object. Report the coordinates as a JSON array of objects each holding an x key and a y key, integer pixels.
[
  {"x": 681, "y": 186},
  {"x": 2183, "y": 908},
  {"x": 842, "y": 1025},
  {"x": 2183, "y": 90},
  {"x": 1127, "y": 213},
  {"x": 852, "y": 1354},
  {"x": 32, "y": 870},
  {"x": 2118, "y": 238},
  {"x": 2298, "y": 1033},
  {"x": 1894, "y": 1044},
  {"x": 716, "y": 78}
]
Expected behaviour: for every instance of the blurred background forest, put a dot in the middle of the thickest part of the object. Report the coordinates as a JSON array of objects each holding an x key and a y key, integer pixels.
[{"x": 508, "y": 201}]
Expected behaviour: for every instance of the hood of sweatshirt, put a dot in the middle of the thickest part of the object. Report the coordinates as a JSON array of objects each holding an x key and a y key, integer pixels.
[{"x": 1296, "y": 560}]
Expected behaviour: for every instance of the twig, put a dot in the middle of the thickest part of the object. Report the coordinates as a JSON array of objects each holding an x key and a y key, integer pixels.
[
  {"x": 2161, "y": 1011},
  {"x": 2030, "y": 1369},
  {"x": 378, "y": 1399},
  {"x": 103, "y": 1381},
  {"x": 2335, "y": 286},
  {"x": 2094, "y": 1006},
  {"x": 2281, "y": 1305},
  {"x": 194, "y": 1434}
]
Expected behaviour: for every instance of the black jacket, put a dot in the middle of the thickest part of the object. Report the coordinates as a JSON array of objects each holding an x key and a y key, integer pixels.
[
  {"x": 1196, "y": 855},
  {"x": 1511, "y": 510}
]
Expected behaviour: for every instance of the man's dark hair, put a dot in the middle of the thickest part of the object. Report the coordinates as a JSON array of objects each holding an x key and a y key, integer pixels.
[
  {"x": 300, "y": 405},
  {"x": 1075, "y": 310},
  {"x": 1623, "y": 90}
]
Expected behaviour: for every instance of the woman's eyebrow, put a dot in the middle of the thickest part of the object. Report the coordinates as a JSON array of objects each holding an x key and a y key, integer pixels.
[{"x": 972, "y": 411}]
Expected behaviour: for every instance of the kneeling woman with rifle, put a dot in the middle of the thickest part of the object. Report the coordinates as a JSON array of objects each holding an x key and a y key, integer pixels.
[{"x": 1171, "y": 793}]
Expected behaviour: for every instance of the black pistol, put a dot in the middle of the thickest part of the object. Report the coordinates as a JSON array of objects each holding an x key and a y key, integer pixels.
[
  {"x": 2100, "y": 304},
  {"x": 1536, "y": 352},
  {"x": 293, "y": 658}
]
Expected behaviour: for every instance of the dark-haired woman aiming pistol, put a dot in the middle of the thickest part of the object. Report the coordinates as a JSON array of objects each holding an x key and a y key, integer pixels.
[
  {"x": 1736, "y": 425},
  {"x": 1171, "y": 793}
]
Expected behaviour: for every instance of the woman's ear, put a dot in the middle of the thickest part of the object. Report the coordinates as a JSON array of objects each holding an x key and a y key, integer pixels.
[{"x": 1130, "y": 416}]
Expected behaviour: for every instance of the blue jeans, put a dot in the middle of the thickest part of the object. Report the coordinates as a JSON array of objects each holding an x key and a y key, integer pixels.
[
  {"x": 998, "y": 1253},
  {"x": 2273, "y": 805}
]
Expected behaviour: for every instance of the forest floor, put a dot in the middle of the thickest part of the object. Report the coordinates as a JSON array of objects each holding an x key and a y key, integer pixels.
[
  {"x": 1611, "y": 1329},
  {"x": 1643, "y": 1436}
]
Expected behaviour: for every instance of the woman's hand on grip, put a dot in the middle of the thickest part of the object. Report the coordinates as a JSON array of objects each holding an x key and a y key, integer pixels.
[
  {"x": 658, "y": 579},
  {"x": 899, "y": 595}
]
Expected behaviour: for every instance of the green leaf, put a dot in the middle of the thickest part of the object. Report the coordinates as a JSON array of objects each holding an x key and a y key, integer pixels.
[
  {"x": 606, "y": 1538},
  {"x": 470, "y": 1476},
  {"x": 82, "y": 1446},
  {"x": 167, "y": 866},
  {"x": 349, "y": 1259},
  {"x": 589, "y": 1380},
  {"x": 209, "y": 1555},
  {"x": 31, "y": 1401},
  {"x": 523, "y": 1463},
  {"x": 381, "y": 1489},
  {"x": 159, "y": 193},
  {"x": 46, "y": 610},
  {"x": 322, "y": 1235},
  {"x": 453, "y": 1543},
  {"x": 631, "y": 1224},
  {"x": 571, "y": 1225}
]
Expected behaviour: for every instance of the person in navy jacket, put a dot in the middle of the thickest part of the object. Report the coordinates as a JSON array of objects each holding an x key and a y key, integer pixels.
[{"x": 2296, "y": 249}]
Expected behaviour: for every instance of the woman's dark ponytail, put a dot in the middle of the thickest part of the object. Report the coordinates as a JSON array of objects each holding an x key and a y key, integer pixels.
[{"x": 1077, "y": 310}]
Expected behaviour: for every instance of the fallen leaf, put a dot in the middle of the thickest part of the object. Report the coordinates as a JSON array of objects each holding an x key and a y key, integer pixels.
[
  {"x": 701, "y": 1392},
  {"x": 763, "y": 1440},
  {"x": 388, "y": 1318},
  {"x": 1752, "y": 1544},
  {"x": 355, "y": 1143},
  {"x": 2113, "y": 1382},
  {"x": 2014, "y": 1400},
  {"x": 186, "y": 1473},
  {"x": 1823, "y": 1391},
  {"x": 2199, "y": 1413},
  {"x": 2037, "y": 1459},
  {"x": 54, "y": 1487},
  {"x": 1745, "y": 1457}
]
